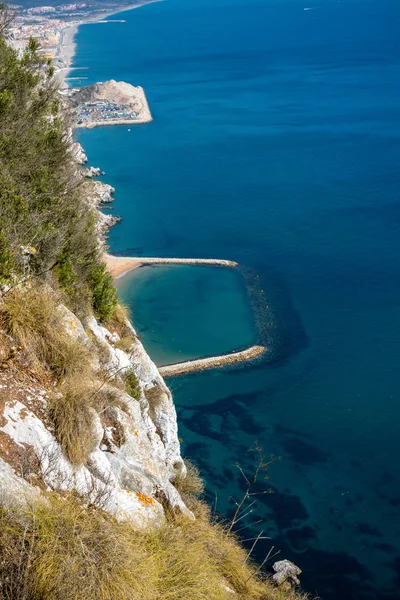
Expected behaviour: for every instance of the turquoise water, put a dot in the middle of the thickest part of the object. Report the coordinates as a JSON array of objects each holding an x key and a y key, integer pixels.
[
  {"x": 275, "y": 143},
  {"x": 210, "y": 303}
]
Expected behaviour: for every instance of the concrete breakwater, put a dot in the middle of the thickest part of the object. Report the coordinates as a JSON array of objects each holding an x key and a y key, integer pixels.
[
  {"x": 186, "y": 261},
  {"x": 213, "y": 362},
  {"x": 119, "y": 265}
]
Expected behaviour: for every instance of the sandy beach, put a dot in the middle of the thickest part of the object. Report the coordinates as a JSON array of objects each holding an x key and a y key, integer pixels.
[
  {"x": 118, "y": 266},
  {"x": 67, "y": 52}
]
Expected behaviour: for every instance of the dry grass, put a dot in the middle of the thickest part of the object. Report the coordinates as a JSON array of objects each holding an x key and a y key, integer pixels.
[
  {"x": 191, "y": 486},
  {"x": 60, "y": 550},
  {"x": 66, "y": 552},
  {"x": 118, "y": 321},
  {"x": 30, "y": 315},
  {"x": 70, "y": 411},
  {"x": 125, "y": 343}
]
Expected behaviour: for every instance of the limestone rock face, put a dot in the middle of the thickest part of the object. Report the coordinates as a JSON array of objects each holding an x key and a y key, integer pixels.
[
  {"x": 78, "y": 153},
  {"x": 96, "y": 194},
  {"x": 136, "y": 452},
  {"x": 91, "y": 172}
]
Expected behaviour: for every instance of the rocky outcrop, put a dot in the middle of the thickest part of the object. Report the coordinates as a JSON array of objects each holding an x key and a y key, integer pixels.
[
  {"x": 98, "y": 193},
  {"x": 136, "y": 452},
  {"x": 286, "y": 574},
  {"x": 91, "y": 172},
  {"x": 79, "y": 154}
]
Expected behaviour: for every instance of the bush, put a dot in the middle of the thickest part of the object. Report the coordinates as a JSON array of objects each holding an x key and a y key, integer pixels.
[
  {"x": 104, "y": 295},
  {"x": 42, "y": 199},
  {"x": 6, "y": 260},
  {"x": 132, "y": 385}
]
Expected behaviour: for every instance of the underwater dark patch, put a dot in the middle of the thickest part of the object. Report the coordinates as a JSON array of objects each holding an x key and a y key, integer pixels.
[
  {"x": 198, "y": 452},
  {"x": 367, "y": 529},
  {"x": 384, "y": 547},
  {"x": 303, "y": 452},
  {"x": 300, "y": 538},
  {"x": 280, "y": 327},
  {"x": 281, "y": 430},
  {"x": 287, "y": 509},
  {"x": 236, "y": 416}
]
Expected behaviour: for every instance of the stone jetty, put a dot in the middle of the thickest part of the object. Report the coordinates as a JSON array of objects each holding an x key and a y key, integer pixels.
[
  {"x": 120, "y": 265},
  {"x": 213, "y": 362}
]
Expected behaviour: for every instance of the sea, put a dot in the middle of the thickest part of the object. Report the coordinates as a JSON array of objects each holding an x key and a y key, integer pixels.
[{"x": 275, "y": 143}]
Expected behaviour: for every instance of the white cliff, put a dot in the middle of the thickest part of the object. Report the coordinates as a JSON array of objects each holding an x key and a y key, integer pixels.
[{"x": 136, "y": 453}]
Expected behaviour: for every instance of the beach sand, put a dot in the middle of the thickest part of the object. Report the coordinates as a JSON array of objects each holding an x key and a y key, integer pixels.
[
  {"x": 67, "y": 52},
  {"x": 118, "y": 266}
]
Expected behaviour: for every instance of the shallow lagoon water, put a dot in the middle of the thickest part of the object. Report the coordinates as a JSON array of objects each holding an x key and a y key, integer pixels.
[
  {"x": 276, "y": 143},
  {"x": 210, "y": 304}
]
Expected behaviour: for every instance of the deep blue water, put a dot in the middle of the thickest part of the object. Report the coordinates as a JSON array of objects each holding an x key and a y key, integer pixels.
[{"x": 275, "y": 142}]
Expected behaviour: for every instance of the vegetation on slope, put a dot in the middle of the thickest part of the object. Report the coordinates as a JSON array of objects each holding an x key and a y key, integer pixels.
[
  {"x": 58, "y": 549},
  {"x": 47, "y": 228}
]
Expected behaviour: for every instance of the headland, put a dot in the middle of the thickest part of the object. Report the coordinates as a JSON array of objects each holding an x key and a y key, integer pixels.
[{"x": 109, "y": 103}]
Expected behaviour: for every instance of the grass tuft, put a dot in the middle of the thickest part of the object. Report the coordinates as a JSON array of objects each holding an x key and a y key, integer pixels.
[
  {"x": 31, "y": 316},
  {"x": 71, "y": 413},
  {"x": 191, "y": 486},
  {"x": 125, "y": 343},
  {"x": 118, "y": 321}
]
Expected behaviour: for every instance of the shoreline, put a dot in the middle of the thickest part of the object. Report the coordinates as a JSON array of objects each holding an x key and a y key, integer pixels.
[{"x": 68, "y": 44}]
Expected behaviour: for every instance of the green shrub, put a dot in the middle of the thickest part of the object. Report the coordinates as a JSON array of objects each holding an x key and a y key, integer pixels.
[
  {"x": 66, "y": 272},
  {"x": 6, "y": 260},
  {"x": 104, "y": 295},
  {"x": 132, "y": 385},
  {"x": 42, "y": 200}
]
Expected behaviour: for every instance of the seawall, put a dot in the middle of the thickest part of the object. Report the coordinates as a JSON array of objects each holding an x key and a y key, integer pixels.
[
  {"x": 212, "y": 362},
  {"x": 120, "y": 265}
]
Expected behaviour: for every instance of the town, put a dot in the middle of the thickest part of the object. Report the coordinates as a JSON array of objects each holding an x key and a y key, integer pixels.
[
  {"x": 48, "y": 25},
  {"x": 103, "y": 111}
]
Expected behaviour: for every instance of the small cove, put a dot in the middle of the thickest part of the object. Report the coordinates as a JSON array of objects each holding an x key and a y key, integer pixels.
[{"x": 185, "y": 312}]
